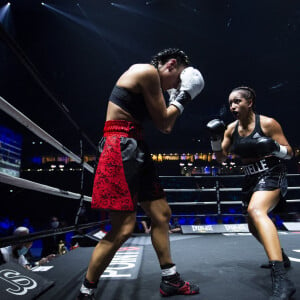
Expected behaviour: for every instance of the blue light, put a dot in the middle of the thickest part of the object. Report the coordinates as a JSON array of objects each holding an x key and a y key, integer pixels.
[
  {"x": 10, "y": 137},
  {"x": 37, "y": 160},
  {"x": 207, "y": 170}
]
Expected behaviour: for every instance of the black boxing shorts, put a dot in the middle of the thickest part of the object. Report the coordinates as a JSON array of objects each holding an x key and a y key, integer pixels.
[
  {"x": 267, "y": 174},
  {"x": 125, "y": 174}
]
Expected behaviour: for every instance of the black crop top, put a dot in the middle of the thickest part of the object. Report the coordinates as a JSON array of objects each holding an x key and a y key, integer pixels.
[
  {"x": 239, "y": 142},
  {"x": 130, "y": 102}
]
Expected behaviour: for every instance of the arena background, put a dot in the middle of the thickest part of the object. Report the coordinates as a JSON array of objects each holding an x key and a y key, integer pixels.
[{"x": 79, "y": 48}]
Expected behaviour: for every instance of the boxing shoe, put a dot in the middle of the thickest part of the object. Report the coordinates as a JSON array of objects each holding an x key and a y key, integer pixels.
[
  {"x": 286, "y": 262},
  {"x": 174, "y": 285},
  {"x": 87, "y": 290},
  {"x": 83, "y": 296},
  {"x": 282, "y": 287}
]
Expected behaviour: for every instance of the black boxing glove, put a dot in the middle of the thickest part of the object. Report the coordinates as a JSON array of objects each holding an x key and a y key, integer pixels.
[
  {"x": 260, "y": 147},
  {"x": 216, "y": 128},
  {"x": 246, "y": 148},
  {"x": 268, "y": 146}
]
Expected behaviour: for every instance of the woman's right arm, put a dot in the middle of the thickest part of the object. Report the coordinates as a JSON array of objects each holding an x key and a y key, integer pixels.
[
  {"x": 163, "y": 117},
  {"x": 226, "y": 143}
]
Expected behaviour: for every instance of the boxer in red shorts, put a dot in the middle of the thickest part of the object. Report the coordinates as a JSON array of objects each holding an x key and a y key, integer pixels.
[{"x": 126, "y": 175}]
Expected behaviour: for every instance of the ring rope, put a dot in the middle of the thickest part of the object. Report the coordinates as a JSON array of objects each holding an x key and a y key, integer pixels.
[
  {"x": 220, "y": 189},
  {"x": 9, "y": 240},
  {"x": 31, "y": 185},
  {"x": 41, "y": 133},
  {"x": 215, "y": 176},
  {"x": 27, "y": 184},
  {"x": 25, "y": 61},
  {"x": 189, "y": 190},
  {"x": 193, "y": 203},
  {"x": 221, "y": 202},
  {"x": 25, "y": 121}
]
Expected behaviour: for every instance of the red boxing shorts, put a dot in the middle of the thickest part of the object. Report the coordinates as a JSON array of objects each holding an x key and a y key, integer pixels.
[{"x": 125, "y": 173}]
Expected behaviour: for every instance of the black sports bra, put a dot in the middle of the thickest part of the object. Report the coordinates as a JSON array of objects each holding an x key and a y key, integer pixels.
[
  {"x": 239, "y": 143},
  {"x": 130, "y": 102}
]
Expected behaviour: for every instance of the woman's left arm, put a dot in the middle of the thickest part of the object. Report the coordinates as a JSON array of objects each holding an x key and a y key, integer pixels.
[{"x": 273, "y": 130}]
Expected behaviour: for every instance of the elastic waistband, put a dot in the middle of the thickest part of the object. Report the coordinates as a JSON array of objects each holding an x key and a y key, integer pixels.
[
  {"x": 261, "y": 165},
  {"x": 123, "y": 128}
]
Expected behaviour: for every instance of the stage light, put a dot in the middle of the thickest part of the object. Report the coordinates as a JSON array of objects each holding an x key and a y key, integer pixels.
[
  {"x": 71, "y": 17},
  {"x": 139, "y": 11},
  {"x": 106, "y": 37},
  {"x": 4, "y": 11}
]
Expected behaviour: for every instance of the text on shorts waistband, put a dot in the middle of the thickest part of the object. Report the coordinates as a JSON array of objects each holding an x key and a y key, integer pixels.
[
  {"x": 255, "y": 168},
  {"x": 262, "y": 165}
]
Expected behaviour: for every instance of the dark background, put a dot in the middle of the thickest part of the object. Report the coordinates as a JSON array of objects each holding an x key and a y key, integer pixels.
[{"x": 80, "y": 48}]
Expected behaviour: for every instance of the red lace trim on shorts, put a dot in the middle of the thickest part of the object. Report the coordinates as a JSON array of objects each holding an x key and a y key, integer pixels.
[{"x": 110, "y": 190}]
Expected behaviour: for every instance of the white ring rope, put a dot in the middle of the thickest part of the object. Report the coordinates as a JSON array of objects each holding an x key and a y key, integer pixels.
[
  {"x": 22, "y": 119},
  {"x": 214, "y": 176},
  {"x": 189, "y": 190},
  {"x": 221, "y": 202},
  {"x": 193, "y": 203},
  {"x": 31, "y": 185}
]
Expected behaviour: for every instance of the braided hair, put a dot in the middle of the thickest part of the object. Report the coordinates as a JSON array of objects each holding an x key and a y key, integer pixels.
[
  {"x": 248, "y": 93},
  {"x": 163, "y": 56}
]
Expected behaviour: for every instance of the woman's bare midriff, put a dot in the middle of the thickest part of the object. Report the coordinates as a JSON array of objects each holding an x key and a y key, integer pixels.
[{"x": 115, "y": 112}]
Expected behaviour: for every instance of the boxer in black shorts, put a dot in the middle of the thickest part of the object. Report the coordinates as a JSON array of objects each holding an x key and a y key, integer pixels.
[
  {"x": 262, "y": 147},
  {"x": 126, "y": 175}
]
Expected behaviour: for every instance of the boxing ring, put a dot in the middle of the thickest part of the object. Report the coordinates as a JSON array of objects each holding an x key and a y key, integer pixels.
[
  {"x": 215, "y": 260},
  {"x": 225, "y": 264}
]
